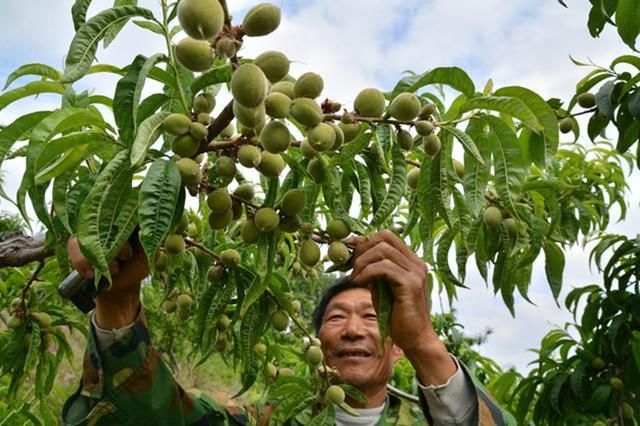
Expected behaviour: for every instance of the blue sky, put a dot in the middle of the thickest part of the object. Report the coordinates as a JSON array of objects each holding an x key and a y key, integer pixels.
[{"x": 361, "y": 43}]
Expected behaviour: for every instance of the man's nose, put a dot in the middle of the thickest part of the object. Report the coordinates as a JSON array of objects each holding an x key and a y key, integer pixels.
[{"x": 353, "y": 328}]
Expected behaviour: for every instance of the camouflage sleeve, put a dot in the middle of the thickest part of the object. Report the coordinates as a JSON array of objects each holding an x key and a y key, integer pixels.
[
  {"x": 128, "y": 383},
  {"x": 484, "y": 412}
]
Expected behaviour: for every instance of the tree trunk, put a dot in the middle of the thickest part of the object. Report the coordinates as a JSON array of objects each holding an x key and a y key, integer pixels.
[{"x": 18, "y": 250}]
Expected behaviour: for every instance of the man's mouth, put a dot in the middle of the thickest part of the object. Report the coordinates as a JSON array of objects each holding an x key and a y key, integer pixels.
[{"x": 353, "y": 354}]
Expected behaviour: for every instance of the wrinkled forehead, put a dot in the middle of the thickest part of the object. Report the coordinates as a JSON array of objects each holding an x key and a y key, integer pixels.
[{"x": 352, "y": 299}]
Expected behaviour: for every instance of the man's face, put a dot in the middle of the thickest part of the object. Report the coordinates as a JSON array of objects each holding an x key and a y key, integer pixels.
[{"x": 351, "y": 340}]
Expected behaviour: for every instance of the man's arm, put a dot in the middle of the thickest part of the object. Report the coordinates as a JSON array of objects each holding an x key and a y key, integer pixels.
[{"x": 124, "y": 378}]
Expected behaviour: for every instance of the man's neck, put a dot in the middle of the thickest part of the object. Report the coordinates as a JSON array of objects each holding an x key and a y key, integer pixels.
[{"x": 375, "y": 398}]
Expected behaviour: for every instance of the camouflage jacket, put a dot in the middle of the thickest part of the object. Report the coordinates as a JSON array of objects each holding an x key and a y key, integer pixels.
[{"x": 129, "y": 384}]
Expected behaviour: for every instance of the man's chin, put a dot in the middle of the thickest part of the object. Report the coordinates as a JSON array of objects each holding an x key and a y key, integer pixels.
[{"x": 354, "y": 373}]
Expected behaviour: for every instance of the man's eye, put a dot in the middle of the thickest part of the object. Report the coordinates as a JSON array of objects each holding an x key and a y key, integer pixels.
[
  {"x": 371, "y": 316},
  {"x": 335, "y": 317}
]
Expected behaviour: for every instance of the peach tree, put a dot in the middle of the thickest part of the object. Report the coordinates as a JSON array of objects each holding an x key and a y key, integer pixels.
[{"x": 242, "y": 183}]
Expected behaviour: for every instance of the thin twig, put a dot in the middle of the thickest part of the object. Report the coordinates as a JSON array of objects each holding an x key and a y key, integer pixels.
[
  {"x": 412, "y": 162},
  {"x": 25, "y": 289},
  {"x": 199, "y": 246}
]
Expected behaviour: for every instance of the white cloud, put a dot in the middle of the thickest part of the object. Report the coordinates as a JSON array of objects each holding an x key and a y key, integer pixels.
[{"x": 361, "y": 43}]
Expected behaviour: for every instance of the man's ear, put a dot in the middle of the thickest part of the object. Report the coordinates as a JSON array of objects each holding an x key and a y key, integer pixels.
[{"x": 396, "y": 353}]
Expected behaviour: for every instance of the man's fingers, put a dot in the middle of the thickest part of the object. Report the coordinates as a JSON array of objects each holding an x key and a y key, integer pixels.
[
  {"x": 385, "y": 268},
  {"x": 114, "y": 267},
  {"x": 126, "y": 252},
  {"x": 78, "y": 261},
  {"x": 380, "y": 251}
]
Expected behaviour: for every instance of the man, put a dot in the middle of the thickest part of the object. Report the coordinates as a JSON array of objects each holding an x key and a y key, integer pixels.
[{"x": 125, "y": 381}]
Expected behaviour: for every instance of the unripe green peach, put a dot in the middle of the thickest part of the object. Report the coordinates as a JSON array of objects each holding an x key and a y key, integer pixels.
[
  {"x": 280, "y": 320},
  {"x": 339, "y": 137},
  {"x": 627, "y": 410},
  {"x": 204, "y": 103},
  {"x": 566, "y": 125},
  {"x": 316, "y": 169},
  {"x": 204, "y": 118},
  {"x": 228, "y": 131},
  {"x": 261, "y": 20},
  {"x": 244, "y": 191},
  {"x": 338, "y": 252},
  {"x": 598, "y": 363},
  {"x": 275, "y": 137},
  {"x": 308, "y": 85},
  {"x": 296, "y": 305},
  {"x": 335, "y": 395},
  {"x": 404, "y": 139},
  {"x": 284, "y": 87},
  {"x": 225, "y": 167},
  {"x": 587, "y": 100},
  {"x": 215, "y": 273},
  {"x": 492, "y": 217},
  {"x": 222, "y": 344},
  {"x": 338, "y": 230},
  {"x": 405, "y": 107},
  {"x": 219, "y": 201},
  {"x": 177, "y": 124},
  {"x": 270, "y": 371},
  {"x": 248, "y": 156},
  {"x": 314, "y": 356},
  {"x": 350, "y": 131},
  {"x": 162, "y": 262},
  {"x": 250, "y": 232},
  {"x": 412, "y": 178},
  {"x": 14, "y": 322},
  {"x": 43, "y": 319},
  {"x": 189, "y": 171},
  {"x": 248, "y": 85},
  {"x": 174, "y": 244},
  {"x": 192, "y": 230},
  {"x": 271, "y": 165},
  {"x": 289, "y": 224},
  {"x": 249, "y": 117},
  {"x": 369, "y": 103},
  {"x": 201, "y": 19},
  {"x": 185, "y": 145},
  {"x": 293, "y": 202},
  {"x": 309, "y": 252},
  {"x": 194, "y": 55},
  {"x": 428, "y": 110},
  {"x": 198, "y": 131},
  {"x": 181, "y": 227},
  {"x": 277, "y": 105},
  {"x": 306, "y": 111},
  {"x": 459, "y": 168},
  {"x": 512, "y": 226},
  {"x": 184, "y": 302},
  {"x": 312, "y": 274},
  {"x": 286, "y": 372},
  {"x": 223, "y": 323},
  {"x": 169, "y": 306},
  {"x": 306, "y": 150},
  {"x": 424, "y": 127},
  {"x": 220, "y": 220},
  {"x": 321, "y": 137},
  {"x": 260, "y": 349},
  {"x": 266, "y": 219},
  {"x": 274, "y": 65},
  {"x": 431, "y": 144},
  {"x": 227, "y": 47},
  {"x": 616, "y": 383},
  {"x": 230, "y": 258}
]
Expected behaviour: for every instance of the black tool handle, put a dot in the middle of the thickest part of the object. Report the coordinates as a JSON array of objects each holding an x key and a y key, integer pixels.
[{"x": 81, "y": 291}]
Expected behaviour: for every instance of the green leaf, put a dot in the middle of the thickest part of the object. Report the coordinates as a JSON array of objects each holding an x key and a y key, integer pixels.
[
  {"x": 68, "y": 161},
  {"x": 60, "y": 198},
  {"x": 453, "y": 77},
  {"x": 91, "y": 220},
  {"x": 151, "y": 26},
  {"x": 267, "y": 247},
  {"x": 85, "y": 43},
  {"x": 42, "y": 70},
  {"x": 350, "y": 150},
  {"x": 628, "y": 21},
  {"x": 554, "y": 267},
  {"x": 506, "y": 105},
  {"x": 599, "y": 399},
  {"x": 543, "y": 113},
  {"x": 147, "y": 133},
  {"x": 476, "y": 174},
  {"x": 150, "y": 105},
  {"x": 212, "y": 305},
  {"x": 19, "y": 130},
  {"x": 326, "y": 417},
  {"x": 158, "y": 196},
  {"x": 115, "y": 29},
  {"x": 30, "y": 89},
  {"x": 34, "y": 346},
  {"x": 79, "y": 12},
  {"x": 383, "y": 298},
  {"x": 508, "y": 162},
  {"x": 217, "y": 75},
  {"x": 635, "y": 349},
  {"x": 54, "y": 148},
  {"x": 466, "y": 141},
  {"x": 252, "y": 327},
  {"x": 396, "y": 187}
]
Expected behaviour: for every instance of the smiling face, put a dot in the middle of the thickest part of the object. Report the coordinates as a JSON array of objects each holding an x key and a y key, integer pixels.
[{"x": 351, "y": 340}]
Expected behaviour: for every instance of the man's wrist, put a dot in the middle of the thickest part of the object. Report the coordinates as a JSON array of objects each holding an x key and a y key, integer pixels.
[
  {"x": 117, "y": 310},
  {"x": 431, "y": 360}
]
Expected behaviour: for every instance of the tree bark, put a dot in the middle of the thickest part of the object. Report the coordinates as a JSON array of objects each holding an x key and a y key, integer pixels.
[{"x": 19, "y": 250}]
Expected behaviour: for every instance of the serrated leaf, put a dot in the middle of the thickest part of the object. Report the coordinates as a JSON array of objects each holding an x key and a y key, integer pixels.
[
  {"x": 350, "y": 150},
  {"x": 90, "y": 219},
  {"x": 508, "y": 162},
  {"x": 30, "y": 89},
  {"x": 150, "y": 105},
  {"x": 507, "y": 105},
  {"x": 68, "y": 161},
  {"x": 60, "y": 200},
  {"x": 476, "y": 174},
  {"x": 554, "y": 267},
  {"x": 453, "y": 77},
  {"x": 212, "y": 305},
  {"x": 151, "y": 26},
  {"x": 628, "y": 21},
  {"x": 326, "y": 417},
  {"x": 251, "y": 328},
  {"x": 56, "y": 147},
  {"x": 112, "y": 33},
  {"x": 147, "y": 133},
  {"x": 157, "y": 203},
  {"x": 467, "y": 142},
  {"x": 217, "y": 75},
  {"x": 34, "y": 346},
  {"x": 383, "y": 299},
  {"x": 42, "y": 70},
  {"x": 79, "y": 12},
  {"x": 83, "y": 47},
  {"x": 396, "y": 187},
  {"x": 267, "y": 248}
]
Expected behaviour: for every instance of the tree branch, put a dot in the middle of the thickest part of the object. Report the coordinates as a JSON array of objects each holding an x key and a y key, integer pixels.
[{"x": 19, "y": 250}]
